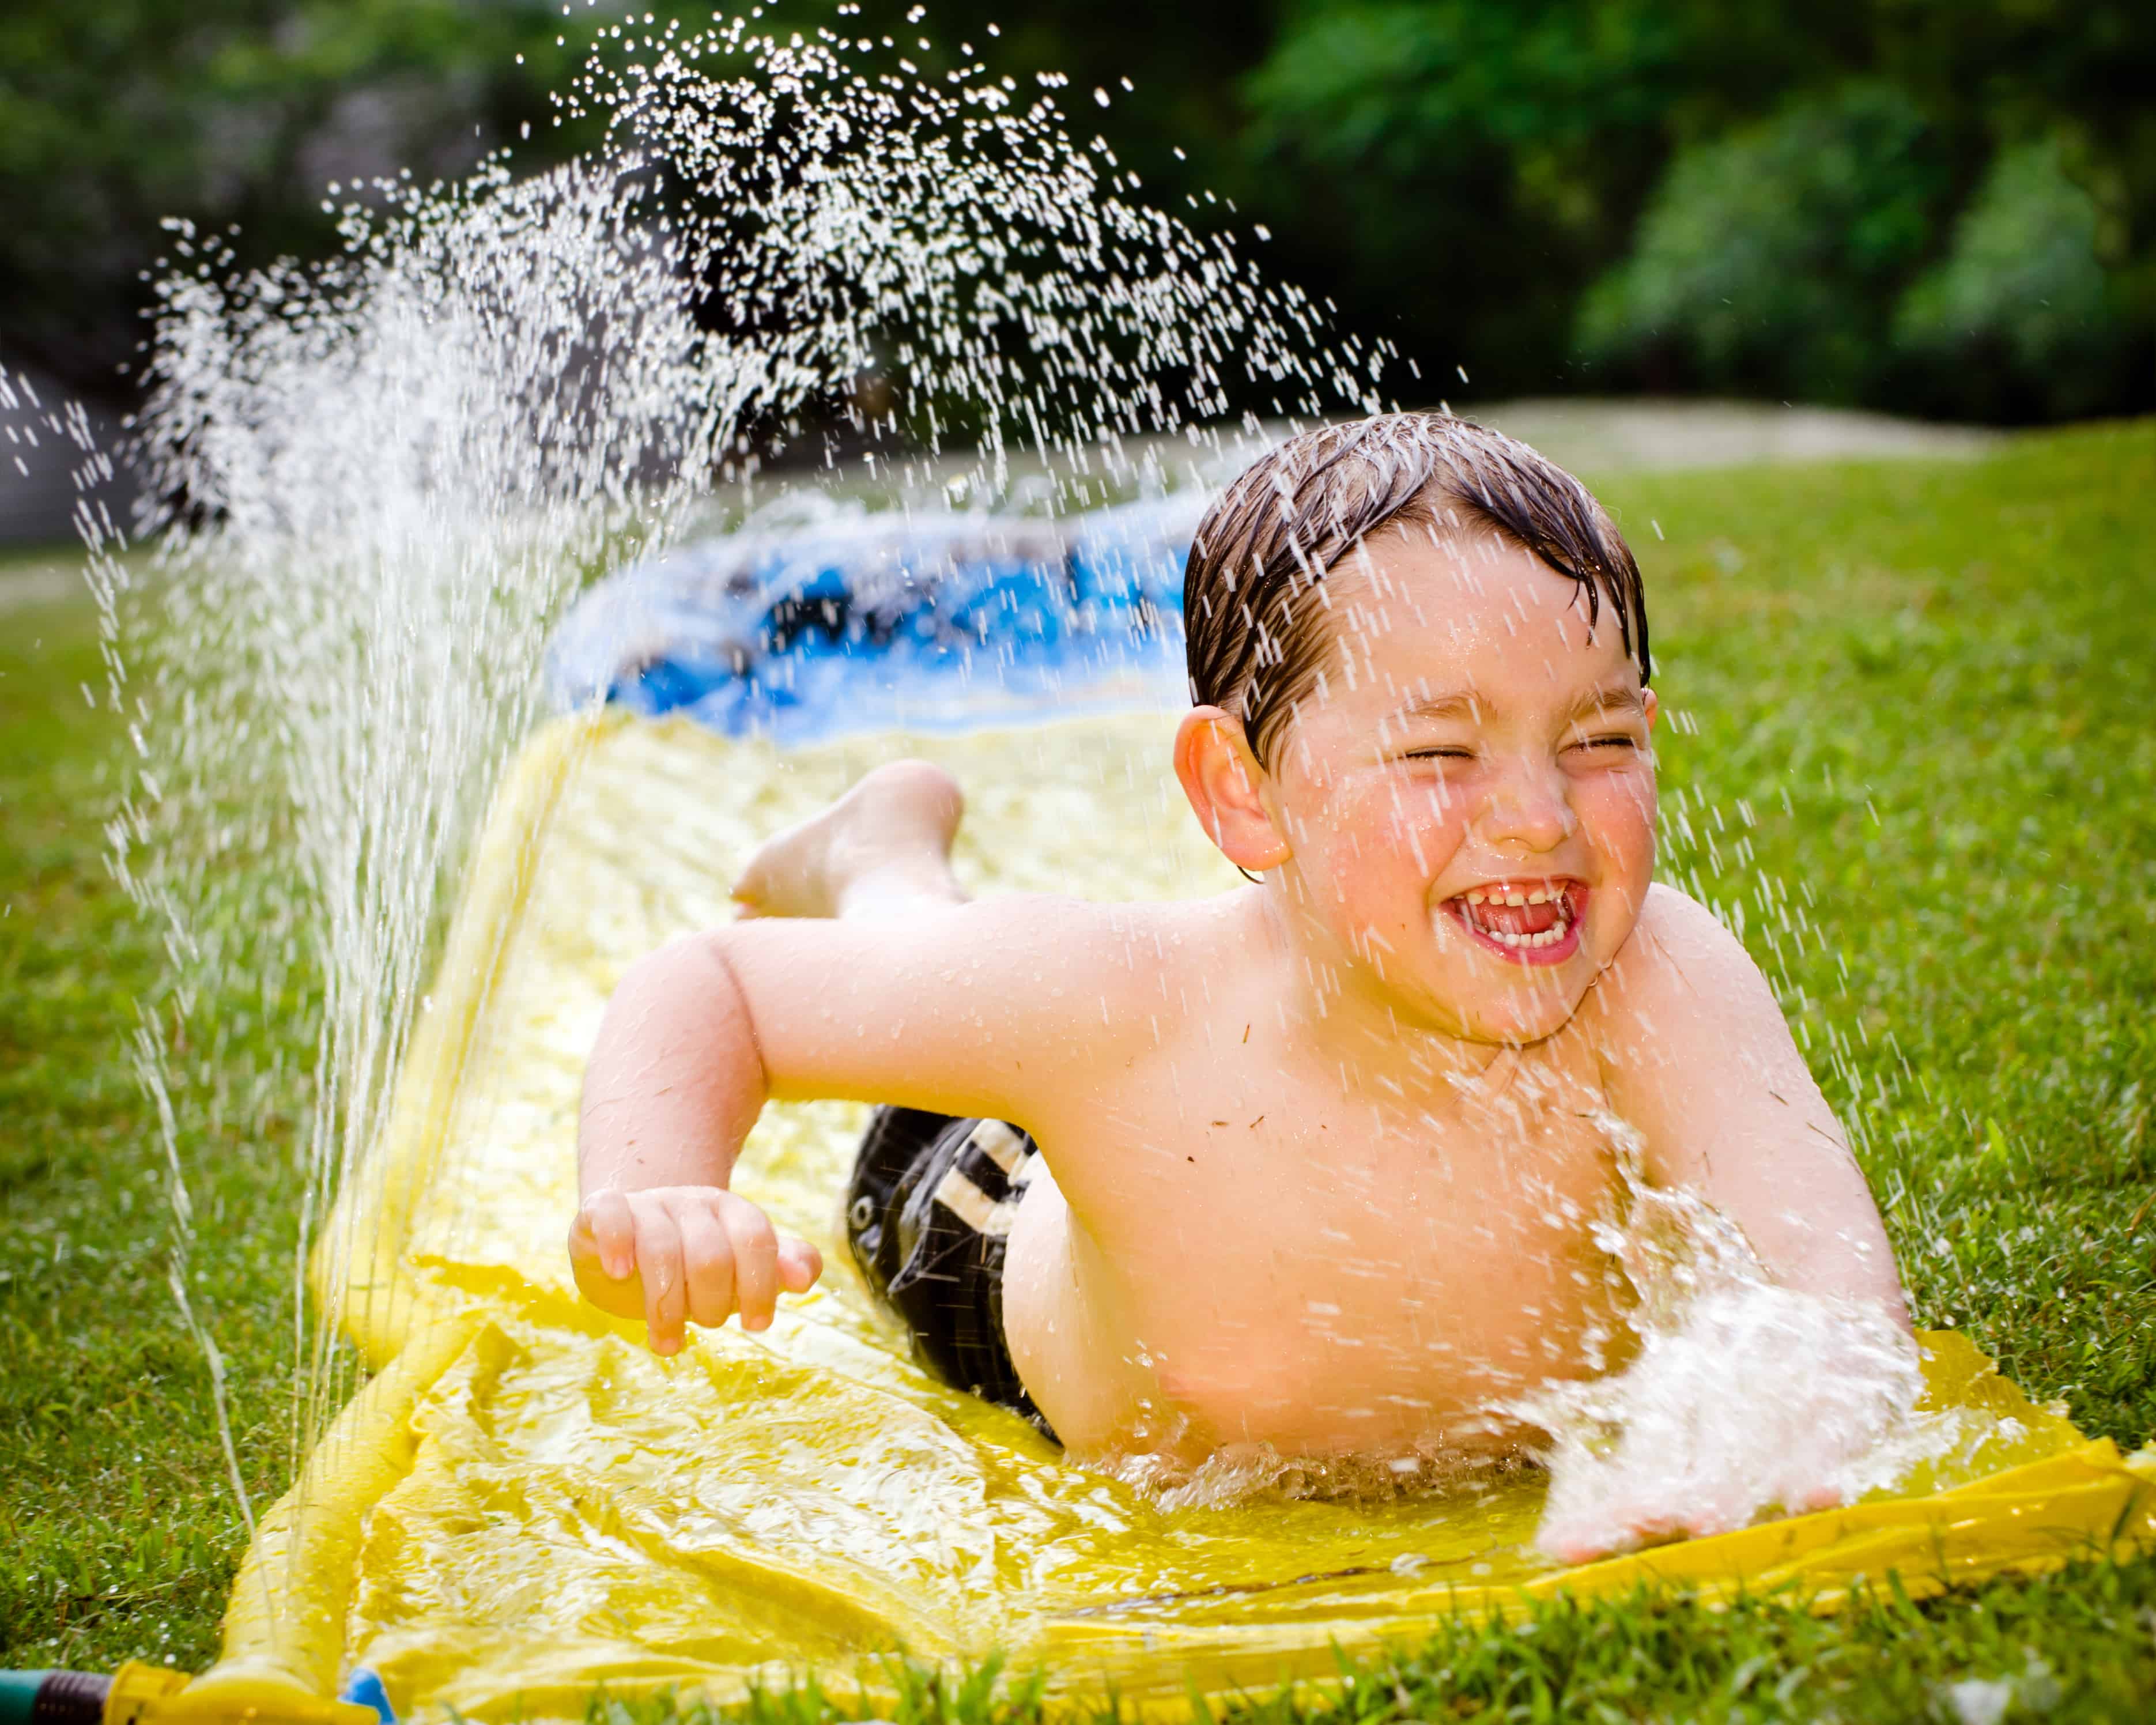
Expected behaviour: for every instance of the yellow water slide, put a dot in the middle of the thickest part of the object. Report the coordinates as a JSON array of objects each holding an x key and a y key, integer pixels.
[{"x": 523, "y": 1504}]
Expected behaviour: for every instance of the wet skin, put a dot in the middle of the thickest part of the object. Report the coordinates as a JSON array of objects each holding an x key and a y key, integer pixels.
[{"x": 1321, "y": 1153}]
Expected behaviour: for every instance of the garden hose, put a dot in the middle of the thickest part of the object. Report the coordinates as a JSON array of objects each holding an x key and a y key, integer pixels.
[{"x": 85, "y": 1697}]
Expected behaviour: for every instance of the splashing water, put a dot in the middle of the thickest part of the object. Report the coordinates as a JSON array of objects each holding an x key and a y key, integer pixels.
[
  {"x": 1736, "y": 1399},
  {"x": 387, "y": 476},
  {"x": 1743, "y": 1399}
]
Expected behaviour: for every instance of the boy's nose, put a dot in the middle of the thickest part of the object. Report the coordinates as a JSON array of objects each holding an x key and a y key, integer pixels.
[{"x": 1529, "y": 808}]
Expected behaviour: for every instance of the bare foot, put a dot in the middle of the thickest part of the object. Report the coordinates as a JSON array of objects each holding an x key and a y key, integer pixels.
[{"x": 887, "y": 840}]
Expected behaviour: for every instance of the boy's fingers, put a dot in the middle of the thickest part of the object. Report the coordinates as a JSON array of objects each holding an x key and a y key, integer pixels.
[
  {"x": 707, "y": 1262},
  {"x": 799, "y": 1265},
  {"x": 756, "y": 1262},
  {"x": 581, "y": 1248},
  {"x": 611, "y": 1226},
  {"x": 659, "y": 1258},
  {"x": 699, "y": 1257}
]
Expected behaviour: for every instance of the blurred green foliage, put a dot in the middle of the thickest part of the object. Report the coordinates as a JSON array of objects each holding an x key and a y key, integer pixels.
[
  {"x": 2020, "y": 319},
  {"x": 1768, "y": 257},
  {"x": 1947, "y": 206},
  {"x": 1942, "y": 205},
  {"x": 117, "y": 113}
]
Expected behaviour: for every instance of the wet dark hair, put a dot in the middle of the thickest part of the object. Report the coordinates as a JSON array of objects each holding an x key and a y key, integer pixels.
[{"x": 1255, "y": 633}]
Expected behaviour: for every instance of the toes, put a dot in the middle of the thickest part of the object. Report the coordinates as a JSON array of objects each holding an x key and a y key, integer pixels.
[{"x": 751, "y": 888}]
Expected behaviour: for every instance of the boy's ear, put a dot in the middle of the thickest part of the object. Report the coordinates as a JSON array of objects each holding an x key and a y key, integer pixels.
[
  {"x": 1221, "y": 778},
  {"x": 1654, "y": 706}
]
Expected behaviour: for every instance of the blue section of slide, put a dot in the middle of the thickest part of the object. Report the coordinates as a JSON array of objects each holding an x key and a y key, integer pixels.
[{"x": 852, "y": 621}]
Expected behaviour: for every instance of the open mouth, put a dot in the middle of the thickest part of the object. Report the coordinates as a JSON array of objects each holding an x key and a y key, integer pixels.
[{"x": 1527, "y": 922}]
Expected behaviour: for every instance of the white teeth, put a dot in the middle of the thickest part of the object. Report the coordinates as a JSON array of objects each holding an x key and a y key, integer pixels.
[
  {"x": 1512, "y": 895},
  {"x": 1548, "y": 938}
]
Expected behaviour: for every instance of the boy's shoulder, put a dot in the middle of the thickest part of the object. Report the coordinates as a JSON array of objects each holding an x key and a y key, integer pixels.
[
  {"x": 1674, "y": 926},
  {"x": 1125, "y": 948},
  {"x": 1681, "y": 977},
  {"x": 1150, "y": 927}
]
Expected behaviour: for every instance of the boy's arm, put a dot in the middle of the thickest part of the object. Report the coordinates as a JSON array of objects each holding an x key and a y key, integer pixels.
[
  {"x": 1001, "y": 1007},
  {"x": 1700, "y": 1061}
]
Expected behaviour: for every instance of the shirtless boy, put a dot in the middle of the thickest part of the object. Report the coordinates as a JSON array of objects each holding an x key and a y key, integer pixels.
[{"x": 1318, "y": 1157}]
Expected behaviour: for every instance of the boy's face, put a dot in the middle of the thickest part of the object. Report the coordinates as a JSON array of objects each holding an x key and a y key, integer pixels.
[{"x": 1470, "y": 794}]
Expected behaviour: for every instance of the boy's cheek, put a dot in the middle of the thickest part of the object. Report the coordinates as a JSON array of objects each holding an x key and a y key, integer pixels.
[
  {"x": 1379, "y": 875},
  {"x": 1410, "y": 835},
  {"x": 1619, "y": 818}
]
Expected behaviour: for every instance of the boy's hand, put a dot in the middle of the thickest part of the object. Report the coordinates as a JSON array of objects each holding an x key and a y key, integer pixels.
[{"x": 674, "y": 1256}]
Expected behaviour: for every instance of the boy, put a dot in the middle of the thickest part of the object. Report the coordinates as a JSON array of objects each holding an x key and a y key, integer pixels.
[{"x": 1311, "y": 1165}]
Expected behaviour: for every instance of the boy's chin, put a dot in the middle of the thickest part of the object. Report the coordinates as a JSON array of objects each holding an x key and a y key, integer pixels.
[
  {"x": 1520, "y": 1014},
  {"x": 1511, "y": 1029}
]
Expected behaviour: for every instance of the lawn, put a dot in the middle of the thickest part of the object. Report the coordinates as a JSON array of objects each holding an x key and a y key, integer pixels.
[{"x": 1912, "y": 759}]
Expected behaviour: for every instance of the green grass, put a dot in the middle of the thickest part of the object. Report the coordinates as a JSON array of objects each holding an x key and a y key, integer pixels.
[
  {"x": 118, "y": 1532},
  {"x": 2066, "y": 1648},
  {"x": 1921, "y": 692}
]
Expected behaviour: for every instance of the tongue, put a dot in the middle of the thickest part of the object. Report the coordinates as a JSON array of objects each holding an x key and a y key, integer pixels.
[{"x": 1517, "y": 919}]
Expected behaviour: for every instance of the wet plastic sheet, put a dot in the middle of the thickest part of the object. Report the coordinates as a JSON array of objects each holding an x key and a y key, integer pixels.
[
  {"x": 524, "y": 1504},
  {"x": 819, "y": 616}
]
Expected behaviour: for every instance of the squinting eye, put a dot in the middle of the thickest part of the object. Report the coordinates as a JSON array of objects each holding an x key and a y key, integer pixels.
[
  {"x": 1439, "y": 755},
  {"x": 1618, "y": 741}
]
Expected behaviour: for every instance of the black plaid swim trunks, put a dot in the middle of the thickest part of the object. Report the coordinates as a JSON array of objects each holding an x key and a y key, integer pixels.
[{"x": 928, "y": 1215}]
